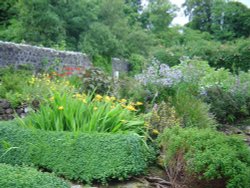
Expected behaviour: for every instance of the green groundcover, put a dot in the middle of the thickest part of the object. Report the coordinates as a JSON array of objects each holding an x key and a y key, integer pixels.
[
  {"x": 75, "y": 156},
  {"x": 25, "y": 177}
]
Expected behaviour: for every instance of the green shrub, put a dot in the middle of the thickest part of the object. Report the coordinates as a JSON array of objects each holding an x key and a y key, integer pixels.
[
  {"x": 193, "y": 111},
  {"x": 227, "y": 107},
  {"x": 166, "y": 56},
  {"x": 76, "y": 156},
  {"x": 207, "y": 155},
  {"x": 233, "y": 55},
  {"x": 42, "y": 86},
  {"x": 12, "y": 84},
  {"x": 136, "y": 63},
  {"x": 94, "y": 79},
  {"x": 227, "y": 94},
  {"x": 128, "y": 87},
  {"x": 24, "y": 177},
  {"x": 103, "y": 63},
  {"x": 230, "y": 55}
]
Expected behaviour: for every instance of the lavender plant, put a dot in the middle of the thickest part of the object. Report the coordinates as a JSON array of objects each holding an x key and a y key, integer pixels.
[{"x": 160, "y": 75}]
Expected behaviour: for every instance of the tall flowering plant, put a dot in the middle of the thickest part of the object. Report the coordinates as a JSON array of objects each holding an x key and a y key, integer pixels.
[
  {"x": 161, "y": 75},
  {"x": 86, "y": 113}
]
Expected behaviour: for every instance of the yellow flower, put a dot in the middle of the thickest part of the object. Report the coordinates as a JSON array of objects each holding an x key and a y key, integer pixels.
[
  {"x": 131, "y": 108},
  {"x": 155, "y": 131},
  {"x": 122, "y": 100},
  {"x": 112, "y": 98},
  {"x": 98, "y": 97},
  {"x": 146, "y": 124},
  {"x": 95, "y": 108},
  {"x": 124, "y": 106},
  {"x": 107, "y": 98},
  {"x": 32, "y": 81},
  {"x": 52, "y": 99},
  {"x": 60, "y": 108},
  {"x": 84, "y": 101},
  {"x": 67, "y": 83},
  {"x": 78, "y": 95},
  {"x": 138, "y": 103}
]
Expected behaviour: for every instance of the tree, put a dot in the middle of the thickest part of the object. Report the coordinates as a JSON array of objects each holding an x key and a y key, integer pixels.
[
  {"x": 230, "y": 20},
  {"x": 7, "y": 12},
  {"x": 99, "y": 41},
  {"x": 158, "y": 15},
  {"x": 226, "y": 20},
  {"x": 77, "y": 16},
  {"x": 37, "y": 23},
  {"x": 199, "y": 13}
]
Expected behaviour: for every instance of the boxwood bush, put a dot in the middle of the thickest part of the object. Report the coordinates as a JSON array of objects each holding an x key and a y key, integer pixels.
[
  {"x": 25, "y": 177},
  {"x": 76, "y": 156},
  {"x": 207, "y": 155}
]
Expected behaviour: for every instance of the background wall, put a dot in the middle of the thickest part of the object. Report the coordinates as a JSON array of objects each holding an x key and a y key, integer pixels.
[{"x": 39, "y": 57}]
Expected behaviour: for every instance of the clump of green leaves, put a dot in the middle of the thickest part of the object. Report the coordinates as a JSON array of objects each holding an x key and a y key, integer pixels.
[
  {"x": 84, "y": 157},
  {"x": 193, "y": 111},
  {"x": 208, "y": 155},
  {"x": 86, "y": 113},
  {"x": 13, "y": 83},
  {"x": 14, "y": 176},
  {"x": 94, "y": 79}
]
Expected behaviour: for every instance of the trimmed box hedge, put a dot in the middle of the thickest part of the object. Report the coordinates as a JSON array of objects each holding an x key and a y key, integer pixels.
[
  {"x": 75, "y": 156},
  {"x": 25, "y": 177}
]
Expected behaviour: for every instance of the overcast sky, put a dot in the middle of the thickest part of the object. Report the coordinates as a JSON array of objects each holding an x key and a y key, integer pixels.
[{"x": 181, "y": 19}]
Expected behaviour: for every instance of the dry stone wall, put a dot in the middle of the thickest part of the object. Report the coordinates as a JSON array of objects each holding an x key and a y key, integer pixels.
[
  {"x": 39, "y": 57},
  {"x": 8, "y": 113}
]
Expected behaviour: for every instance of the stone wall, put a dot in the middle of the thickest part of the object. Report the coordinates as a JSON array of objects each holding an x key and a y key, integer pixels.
[
  {"x": 119, "y": 65},
  {"x": 39, "y": 57},
  {"x": 45, "y": 58},
  {"x": 8, "y": 113}
]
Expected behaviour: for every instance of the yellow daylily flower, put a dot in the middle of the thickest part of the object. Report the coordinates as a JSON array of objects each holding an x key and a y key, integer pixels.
[
  {"x": 112, "y": 98},
  {"x": 60, "y": 108},
  {"x": 138, "y": 103},
  {"x": 98, "y": 97},
  {"x": 155, "y": 131},
  {"x": 107, "y": 98},
  {"x": 131, "y": 108},
  {"x": 123, "y": 101}
]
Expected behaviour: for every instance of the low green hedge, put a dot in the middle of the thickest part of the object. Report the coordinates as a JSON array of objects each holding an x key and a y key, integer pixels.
[
  {"x": 208, "y": 155},
  {"x": 76, "y": 156},
  {"x": 24, "y": 177}
]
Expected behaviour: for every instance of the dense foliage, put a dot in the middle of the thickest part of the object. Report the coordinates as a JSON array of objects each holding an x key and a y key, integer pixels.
[
  {"x": 224, "y": 19},
  {"x": 20, "y": 177},
  {"x": 119, "y": 28},
  {"x": 82, "y": 157},
  {"x": 206, "y": 154},
  {"x": 188, "y": 85}
]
